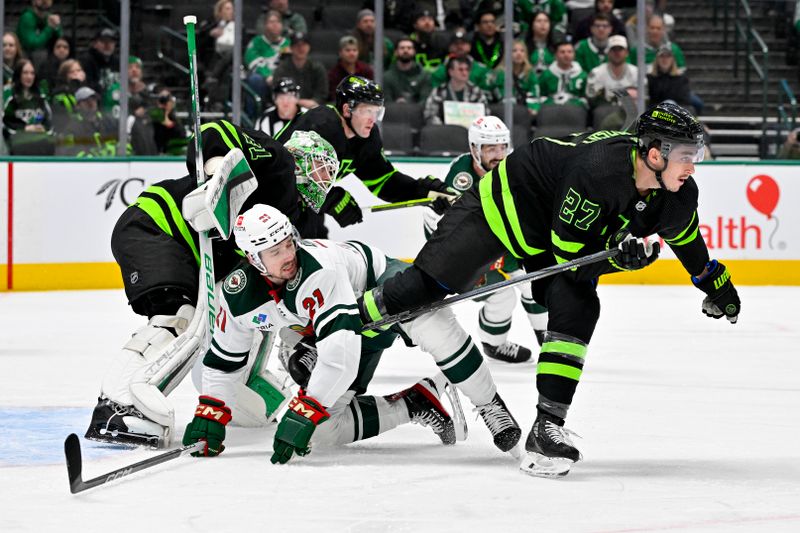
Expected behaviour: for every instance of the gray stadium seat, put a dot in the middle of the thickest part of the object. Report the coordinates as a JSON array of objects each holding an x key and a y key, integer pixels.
[
  {"x": 443, "y": 140},
  {"x": 398, "y": 139},
  {"x": 569, "y": 116},
  {"x": 404, "y": 113}
]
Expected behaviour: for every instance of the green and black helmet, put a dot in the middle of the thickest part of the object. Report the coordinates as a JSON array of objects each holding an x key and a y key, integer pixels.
[
  {"x": 670, "y": 125},
  {"x": 354, "y": 90}
]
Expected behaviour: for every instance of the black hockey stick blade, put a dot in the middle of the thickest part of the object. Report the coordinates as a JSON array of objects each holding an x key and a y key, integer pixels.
[
  {"x": 488, "y": 289},
  {"x": 72, "y": 451}
]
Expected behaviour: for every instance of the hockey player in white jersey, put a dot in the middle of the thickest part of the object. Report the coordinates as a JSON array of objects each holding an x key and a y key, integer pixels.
[
  {"x": 311, "y": 287},
  {"x": 490, "y": 143}
]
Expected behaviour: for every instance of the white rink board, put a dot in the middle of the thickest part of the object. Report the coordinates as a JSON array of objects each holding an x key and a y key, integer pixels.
[{"x": 61, "y": 217}]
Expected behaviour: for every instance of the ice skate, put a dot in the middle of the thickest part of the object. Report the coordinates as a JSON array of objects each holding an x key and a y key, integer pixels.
[
  {"x": 425, "y": 409},
  {"x": 509, "y": 352},
  {"x": 125, "y": 425},
  {"x": 550, "y": 449},
  {"x": 505, "y": 430}
]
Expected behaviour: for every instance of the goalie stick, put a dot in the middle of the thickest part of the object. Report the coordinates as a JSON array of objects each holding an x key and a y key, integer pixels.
[
  {"x": 481, "y": 291},
  {"x": 72, "y": 452}
]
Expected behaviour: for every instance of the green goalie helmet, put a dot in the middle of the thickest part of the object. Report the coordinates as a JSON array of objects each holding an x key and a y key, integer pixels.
[
  {"x": 316, "y": 166},
  {"x": 671, "y": 126}
]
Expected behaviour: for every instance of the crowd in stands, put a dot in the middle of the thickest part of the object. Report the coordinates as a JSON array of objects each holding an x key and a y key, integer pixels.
[{"x": 437, "y": 54}]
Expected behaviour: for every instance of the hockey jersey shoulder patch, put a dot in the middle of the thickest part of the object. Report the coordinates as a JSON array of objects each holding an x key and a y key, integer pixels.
[{"x": 235, "y": 282}]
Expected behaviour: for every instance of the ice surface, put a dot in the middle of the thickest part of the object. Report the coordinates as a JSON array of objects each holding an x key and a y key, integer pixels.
[{"x": 688, "y": 424}]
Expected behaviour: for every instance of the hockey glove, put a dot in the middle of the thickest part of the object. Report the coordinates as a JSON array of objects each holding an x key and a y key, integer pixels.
[
  {"x": 210, "y": 419},
  {"x": 443, "y": 196},
  {"x": 341, "y": 206},
  {"x": 302, "y": 361},
  {"x": 722, "y": 299},
  {"x": 294, "y": 432},
  {"x": 635, "y": 253}
]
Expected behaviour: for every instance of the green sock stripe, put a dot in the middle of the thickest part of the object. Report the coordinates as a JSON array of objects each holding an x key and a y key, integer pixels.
[
  {"x": 466, "y": 367},
  {"x": 532, "y": 308},
  {"x": 370, "y": 418},
  {"x": 461, "y": 350},
  {"x": 493, "y": 330},
  {"x": 556, "y": 369},
  {"x": 564, "y": 347}
]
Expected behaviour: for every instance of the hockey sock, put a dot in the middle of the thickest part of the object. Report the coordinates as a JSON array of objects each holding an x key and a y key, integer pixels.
[
  {"x": 561, "y": 361},
  {"x": 468, "y": 371},
  {"x": 494, "y": 318}
]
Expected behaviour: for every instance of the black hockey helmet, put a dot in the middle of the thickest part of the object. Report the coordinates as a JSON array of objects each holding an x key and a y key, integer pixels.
[
  {"x": 285, "y": 85},
  {"x": 670, "y": 125},
  {"x": 354, "y": 90}
]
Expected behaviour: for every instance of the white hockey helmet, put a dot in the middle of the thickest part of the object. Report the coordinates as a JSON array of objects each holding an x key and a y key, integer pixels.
[
  {"x": 487, "y": 129},
  {"x": 259, "y": 228}
]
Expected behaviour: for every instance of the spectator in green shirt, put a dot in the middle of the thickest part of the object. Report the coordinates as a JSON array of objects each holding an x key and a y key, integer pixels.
[
  {"x": 406, "y": 80},
  {"x": 37, "y": 28}
]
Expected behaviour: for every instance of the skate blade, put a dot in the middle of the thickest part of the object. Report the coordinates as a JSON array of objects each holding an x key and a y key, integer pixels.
[
  {"x": 456, "y": 411},
  {"x": 516, "y": 452},
  {"x": 536, "y": 464}
]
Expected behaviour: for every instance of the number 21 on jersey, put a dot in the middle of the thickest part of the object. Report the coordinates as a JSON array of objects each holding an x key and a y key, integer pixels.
[{"x": 312, "y": 304}]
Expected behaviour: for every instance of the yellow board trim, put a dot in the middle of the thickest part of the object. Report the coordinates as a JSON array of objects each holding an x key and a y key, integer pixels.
[{"x": 75, "y": 276}]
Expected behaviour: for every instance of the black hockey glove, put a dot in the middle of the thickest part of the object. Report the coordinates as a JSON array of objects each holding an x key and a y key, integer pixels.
[
  {"x": 302, "y": 361},
  {"x": 342, "y": 206},
  {"x": 722, "y": 299},
  {"x": 443, "y": 196},
  {"x": 635, "y": 253}
]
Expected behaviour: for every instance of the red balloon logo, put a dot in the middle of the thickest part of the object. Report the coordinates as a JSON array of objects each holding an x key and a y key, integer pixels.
[{"x": 763, "y": 194}]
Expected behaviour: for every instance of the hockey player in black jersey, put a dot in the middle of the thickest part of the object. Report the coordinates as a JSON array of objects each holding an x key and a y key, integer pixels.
[
  {"x": 155, "y": 242},
  {"x": 555, "y": 200},
  {"x": 350, "y": 126}
]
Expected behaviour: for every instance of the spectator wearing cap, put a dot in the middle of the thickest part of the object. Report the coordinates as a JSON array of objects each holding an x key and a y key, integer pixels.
[
  {"x": 37, "y": 28},
  {"x": 540, "y": 42},
  {"x": 665, "y": 82},
  {"x": 262, "y": 56},
  {"x": 564, "y": 81},
  {"x": 309, "y": 74},
  {"x": 525, "y": 86},
  {"x": 364, "y": 32},
  {"x": 458, "y": 88},
  {"x": 90, "y": 133},
  {"x": 286, "y": 95},
  {"x": 100, "y": 62},
  {"x": 27, "y": 119},
  {"x": 431, "y": 44},
  {"x": 616, "y": 75},
  {"x": 593, "y": 50},
  {"x": 169, "y": 133},
  {"x": 447, "y": 14},
  {"x": 583, "y": 28},
  {"x": 479, "y": 74},
  {"x": 655, "y": 38},
  {"x": 487, "y": 42},
  {"x": 347, "y": 65},
  {"x": 292, "y": 22},
  {"x": 138, "y": 90},
  {"x": 405, "y": 80}
]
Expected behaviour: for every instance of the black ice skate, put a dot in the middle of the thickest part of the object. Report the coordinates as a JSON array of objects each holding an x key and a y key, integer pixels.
[
  {"x": 505, "y": 430},
  {"x": 124, "y": 424},
  {"x": 550, "y": 449},
  {"x": 425, "y": 409},
  {"x": 508, "y": 352}
]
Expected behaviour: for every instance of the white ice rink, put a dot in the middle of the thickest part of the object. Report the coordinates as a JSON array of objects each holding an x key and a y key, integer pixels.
[{"x": 688, "y": 424}]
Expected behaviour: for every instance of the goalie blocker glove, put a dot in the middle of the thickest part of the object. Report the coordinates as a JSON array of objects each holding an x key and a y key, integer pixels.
[
  {"x": 722, "y": 298},
  {"x": 210, "y": 419},
  {"x": 297, "y": 426},
  {"x": 341, "y": 205}
]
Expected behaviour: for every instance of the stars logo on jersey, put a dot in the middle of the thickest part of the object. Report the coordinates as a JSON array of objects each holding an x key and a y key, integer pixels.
[
  {"x": 235, "y": 282},
  {"x": 295, "y": 281},
  {"x": 463, "y": 181}
]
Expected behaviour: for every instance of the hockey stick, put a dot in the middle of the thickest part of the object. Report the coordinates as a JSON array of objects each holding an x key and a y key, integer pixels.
[
  {"x": 207, "y": 267},
  {"x": 398, "y": 205},
  {"x": 72, "y": 451},
  {"x": 481, "y": 291}
]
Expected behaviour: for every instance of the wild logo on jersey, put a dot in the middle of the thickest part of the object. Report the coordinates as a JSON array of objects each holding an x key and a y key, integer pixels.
[
  {"x": 463, "y": 181},
  {"x": 235, "y": 282}
]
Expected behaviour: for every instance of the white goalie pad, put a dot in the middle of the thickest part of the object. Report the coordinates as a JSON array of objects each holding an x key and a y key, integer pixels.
[{"x": 217, "y": 203}]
